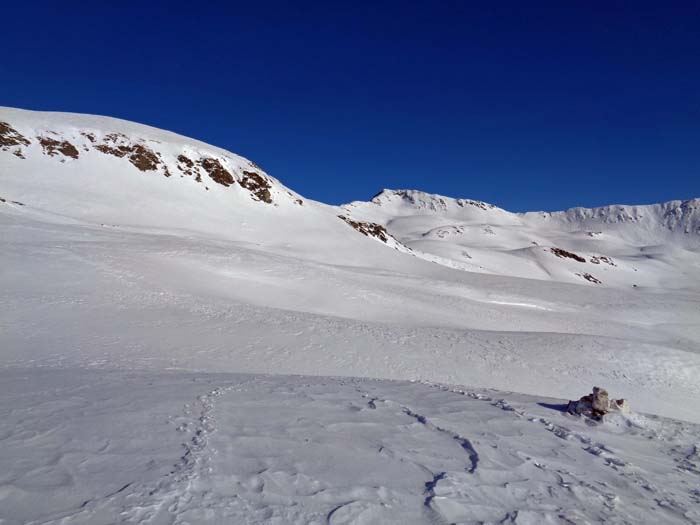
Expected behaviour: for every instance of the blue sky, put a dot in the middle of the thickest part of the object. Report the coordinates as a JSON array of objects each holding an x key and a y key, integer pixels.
[{"x": 547, "y": 107}]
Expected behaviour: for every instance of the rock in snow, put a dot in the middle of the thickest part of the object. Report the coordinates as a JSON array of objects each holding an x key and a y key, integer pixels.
[{"x": 597, "y": 404}]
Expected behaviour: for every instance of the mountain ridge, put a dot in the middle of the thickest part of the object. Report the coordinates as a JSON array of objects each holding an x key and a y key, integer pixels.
[
  {"x": 86, "y": 122},
  {"x": 111, "y": 171},
  {"x": 424, "y": 200}
]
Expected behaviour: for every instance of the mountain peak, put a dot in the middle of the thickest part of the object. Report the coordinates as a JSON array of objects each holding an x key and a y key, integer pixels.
[{"x": 421, "y": 200}]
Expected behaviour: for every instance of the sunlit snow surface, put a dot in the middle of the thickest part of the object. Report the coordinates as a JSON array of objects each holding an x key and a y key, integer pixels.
[
  {"x": 131, "y": 302},
  {"x": 100, "y": 447}
]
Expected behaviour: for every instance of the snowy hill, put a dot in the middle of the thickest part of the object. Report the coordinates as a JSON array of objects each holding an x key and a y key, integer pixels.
[
  {"x": 112, "y": 172},
  {"x": 654, "y": 245},
  {"x": 143, "y": 271}
]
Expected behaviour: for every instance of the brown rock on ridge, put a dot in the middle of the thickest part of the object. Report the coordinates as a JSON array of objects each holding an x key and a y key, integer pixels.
[
  {"x": 597, "y": 259},
  {"x": 139, "y": 153},
  {"x": 590, "y": 278},
  {"x": 257, "y": 185},
  {"x": 144, "y": 159},
  {"x": 9, "y": 137},
  {"x": 479, "y": 204},
  {"x": 53, "y": 147},
  {"x": 187, "y": 166},
  {"x": 140, "y": 156},
  {"x": 567, "y": 255},
  {"x": 217, "y": 172},
  {"x": 370, "y": 229}
]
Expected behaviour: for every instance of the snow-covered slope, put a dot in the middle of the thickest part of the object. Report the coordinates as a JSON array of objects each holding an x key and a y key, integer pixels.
[
  {"x": 119, "y": 241},
  {"x": 117, "y": 173},
  {"x": 141, "y": 268},
  {"x": 113, "y": 173},
  {"x": 98, "y": 448},
  {"x": 653, "y": 245}
]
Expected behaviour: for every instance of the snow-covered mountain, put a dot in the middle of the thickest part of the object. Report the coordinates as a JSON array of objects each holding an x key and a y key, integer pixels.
[
  {"x": 144, "y": 271},
  {"x": 651, "y": 245},
  {"x": 113, "y": 172}
]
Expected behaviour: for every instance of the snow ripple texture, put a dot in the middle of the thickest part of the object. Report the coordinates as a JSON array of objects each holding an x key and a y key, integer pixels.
[{"x": 219, "y": 448}]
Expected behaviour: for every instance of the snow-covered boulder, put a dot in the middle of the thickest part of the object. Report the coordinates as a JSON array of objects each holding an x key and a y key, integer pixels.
[{"x": 597, "y": 404}]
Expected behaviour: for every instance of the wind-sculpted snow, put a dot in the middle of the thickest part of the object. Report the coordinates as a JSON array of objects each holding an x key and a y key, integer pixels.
[{"x": 97, "y": 447}]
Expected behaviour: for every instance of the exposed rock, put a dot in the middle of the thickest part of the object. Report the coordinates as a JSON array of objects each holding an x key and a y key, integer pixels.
[
  {"x": 11, "y": 137},
  {"x": 478, "y": 204},
  {"x": 188, "y": 167},
  {"x": 597, "y": 259},
  {"x": 144, "y": 158},
  {"x": 590, "y": 278},
  {"x": 567, "y": 255},
  {"x": 217, "y": 172},
  {"x": 597, "y": 404},
  {"x": 53, "y": 147},
  {"x": 370, "y": 229},
  {"x": 600, "y": 402},
  {"x": 186, "y": 163},
  {"x": 117, "y": 151},
  {"x": 257, "y": 185},
  {"x": 140, "y": 156},
  {"x": 115, "y": 144},
  {"x": 11, "y": 202}
]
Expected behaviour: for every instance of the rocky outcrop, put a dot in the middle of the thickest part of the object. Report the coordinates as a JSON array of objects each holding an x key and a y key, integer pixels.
[
  {"x": 597, "y": 404},
  {"x": 11, "y": 139},
  {"x": 140, "y": 155},
  {"x": 217, "y": 172},
  {"x": 567, "y": 255},
  {"x": 597, "y": 259},
  {"x": 590, "y": 278},
  {"x": 257, "y": 185},
  {"x": 370, "y": 229},
  {"x": 477, "y": 204},
  {"x": 53, "y": 147},
  {"x": 146, "y": 156}
]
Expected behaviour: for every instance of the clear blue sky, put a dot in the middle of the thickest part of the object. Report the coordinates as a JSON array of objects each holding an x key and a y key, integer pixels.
[{"x": 569, "y": 103}]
